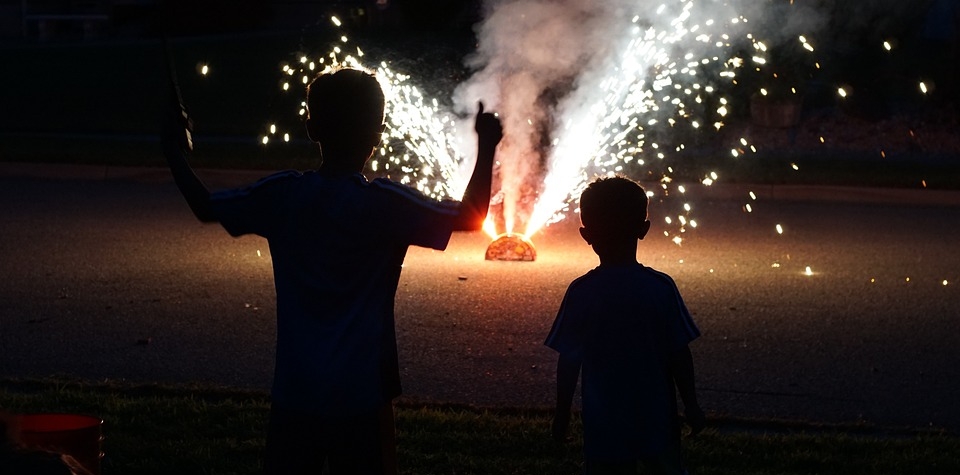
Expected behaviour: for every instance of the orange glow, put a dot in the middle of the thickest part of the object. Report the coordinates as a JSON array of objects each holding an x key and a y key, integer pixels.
[{"x": 511, "y": 247}]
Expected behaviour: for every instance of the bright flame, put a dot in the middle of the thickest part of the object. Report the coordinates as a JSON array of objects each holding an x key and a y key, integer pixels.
[{"x": 661, "y": 76}]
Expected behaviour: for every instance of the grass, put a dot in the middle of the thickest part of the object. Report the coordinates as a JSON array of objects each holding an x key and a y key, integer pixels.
[{"x": 152, "y": 429}]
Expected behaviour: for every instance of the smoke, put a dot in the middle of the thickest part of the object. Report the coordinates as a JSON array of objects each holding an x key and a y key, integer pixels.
[
  {"x": 531, "y": 54},
  {"x": 547, "y": 67},
  {"x": 581, "y": 85}
]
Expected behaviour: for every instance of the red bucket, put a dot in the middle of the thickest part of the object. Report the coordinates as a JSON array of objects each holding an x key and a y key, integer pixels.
[{"x": 76, "y": 435}]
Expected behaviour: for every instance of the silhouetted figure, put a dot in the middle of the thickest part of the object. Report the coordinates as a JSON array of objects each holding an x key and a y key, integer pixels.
[
  {"x": 337, "y": 242},
  {"x": 628, "y": 329}
]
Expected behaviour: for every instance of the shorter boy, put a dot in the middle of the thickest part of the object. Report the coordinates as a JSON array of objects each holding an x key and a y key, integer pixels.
[{"x": 627, "y": 327}]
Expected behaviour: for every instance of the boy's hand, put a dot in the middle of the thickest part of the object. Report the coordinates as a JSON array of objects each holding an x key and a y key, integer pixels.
[
  {"x": 489, "y": 130},
  {"x": 177, "y": 128},
  {"x": 561, "y": 425},
  {"x": 695, "y": 418}
]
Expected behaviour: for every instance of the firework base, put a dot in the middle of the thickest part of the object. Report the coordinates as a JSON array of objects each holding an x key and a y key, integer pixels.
[{"x": 511, "y": 247}]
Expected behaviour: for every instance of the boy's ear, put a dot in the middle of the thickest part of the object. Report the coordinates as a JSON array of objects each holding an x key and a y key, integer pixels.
[
  {"x": 585, "y": 234},
  {"x": 644, "y": 229}
]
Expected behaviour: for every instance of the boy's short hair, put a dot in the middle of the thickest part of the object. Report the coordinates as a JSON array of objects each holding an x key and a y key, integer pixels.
[
  {"x": 347, "y": 101},
  {"x": 611, "y": 204}
]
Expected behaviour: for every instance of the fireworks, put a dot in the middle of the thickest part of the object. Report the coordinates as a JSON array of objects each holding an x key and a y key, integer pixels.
[
  {"x": 657, "y": 79},
  {"x": 617, "y": 121}
]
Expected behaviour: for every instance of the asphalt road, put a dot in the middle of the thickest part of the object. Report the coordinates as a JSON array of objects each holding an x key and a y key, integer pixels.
[{"x": 108, "y": 277}]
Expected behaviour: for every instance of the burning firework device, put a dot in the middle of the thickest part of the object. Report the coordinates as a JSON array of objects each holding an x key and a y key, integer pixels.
[
  {"x": 511, "y": 247},
  {"x": 174, "y": 101}
]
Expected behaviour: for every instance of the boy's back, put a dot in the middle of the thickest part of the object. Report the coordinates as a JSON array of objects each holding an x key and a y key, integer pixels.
[
  {"x": 337, "y": 243},
  {"x": 625, "y": 320},
  {"x": 626, "y": 329}
]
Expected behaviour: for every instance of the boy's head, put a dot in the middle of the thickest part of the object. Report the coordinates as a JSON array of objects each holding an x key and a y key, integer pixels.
[
  {"x": 613, "y": 211},
  {"x": 345, "y": 116}
]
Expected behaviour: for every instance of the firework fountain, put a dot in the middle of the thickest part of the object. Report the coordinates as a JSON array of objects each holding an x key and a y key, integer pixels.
[{"x": 584, "y": 89}]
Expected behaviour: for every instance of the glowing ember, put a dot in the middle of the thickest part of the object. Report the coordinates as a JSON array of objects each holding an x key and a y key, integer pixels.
[{"x": 511, "y": 247}]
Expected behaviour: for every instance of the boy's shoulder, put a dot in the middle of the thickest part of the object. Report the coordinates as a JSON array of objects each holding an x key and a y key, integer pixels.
[
  {"x": 639, "y": 273},
  {"x": 637, "y": 281}
]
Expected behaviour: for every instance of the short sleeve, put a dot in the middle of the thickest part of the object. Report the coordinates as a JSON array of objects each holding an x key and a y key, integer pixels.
[
  {"x": 254, "y": 209},
  {"x": 566, "y": 335},
  {"x": 416, "y": 219},
  {"x": 681, "y": 326}
]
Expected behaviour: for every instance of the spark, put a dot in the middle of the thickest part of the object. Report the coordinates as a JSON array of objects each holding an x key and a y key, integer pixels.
[
  {"x": 808, "y": 271},
  {"x": 661, "y": 76},
  {"x": 945, "y": 282},
  {"x": 779, "y": 229},
  {"x": 923, "y": 87}
]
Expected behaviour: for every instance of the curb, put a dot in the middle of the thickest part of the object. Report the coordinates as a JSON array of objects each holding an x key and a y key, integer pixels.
[{"x": 217, "y": 178}]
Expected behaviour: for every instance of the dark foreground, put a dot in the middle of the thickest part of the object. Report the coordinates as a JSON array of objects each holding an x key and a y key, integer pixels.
[
  {"x": 113, "y": 279},
  {"x": 152, "y": 429}
]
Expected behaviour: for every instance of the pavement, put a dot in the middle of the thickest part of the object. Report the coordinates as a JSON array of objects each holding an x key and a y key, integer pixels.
[{"x": 100, "y": 268}]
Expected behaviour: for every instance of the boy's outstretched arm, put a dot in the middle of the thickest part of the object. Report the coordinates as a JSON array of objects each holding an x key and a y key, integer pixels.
[
  {"x": 681, "y": 366},
  {"x": 568, "y": 370},
  {"x": 476, "y": 199},
  {"x": 177, "y": 144}
]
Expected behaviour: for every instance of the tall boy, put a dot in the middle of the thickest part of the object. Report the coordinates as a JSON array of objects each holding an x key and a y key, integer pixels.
[
  {"x": 628, "y": 329},
  {"x": 338, "y": 243}
]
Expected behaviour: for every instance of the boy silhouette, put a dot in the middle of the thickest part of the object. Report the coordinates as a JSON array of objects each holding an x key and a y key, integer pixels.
[
  {"x": 627, "y": 327},
  {"x": 337, "y": 242}
]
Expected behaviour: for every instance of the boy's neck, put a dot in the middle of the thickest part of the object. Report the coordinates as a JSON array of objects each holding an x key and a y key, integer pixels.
[{"x": 618, "y": 256}]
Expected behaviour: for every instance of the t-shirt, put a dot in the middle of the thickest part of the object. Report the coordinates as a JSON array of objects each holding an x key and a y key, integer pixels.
[
  {"x": 624, "y": 322},
  {"x": 337, "y": 245}
]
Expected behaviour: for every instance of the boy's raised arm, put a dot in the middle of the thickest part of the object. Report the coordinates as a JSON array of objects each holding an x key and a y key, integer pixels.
[
  {"x": 476, "y": 198},
  {"x": 177, "y": 144}
]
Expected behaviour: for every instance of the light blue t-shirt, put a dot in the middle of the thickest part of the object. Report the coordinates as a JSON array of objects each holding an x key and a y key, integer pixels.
[
  {"x": 624, "y": 322},
  {"x": 337, "y": 245}
]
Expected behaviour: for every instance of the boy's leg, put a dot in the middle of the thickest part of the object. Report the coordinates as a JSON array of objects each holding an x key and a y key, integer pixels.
[
  {"x": 610, "y": 468},
  {"x": 667, "y": 463},
  {"x": 388, "y": 439},
  {"x": 365, "y": 445},
  {"x": 296, "y": 443}
]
